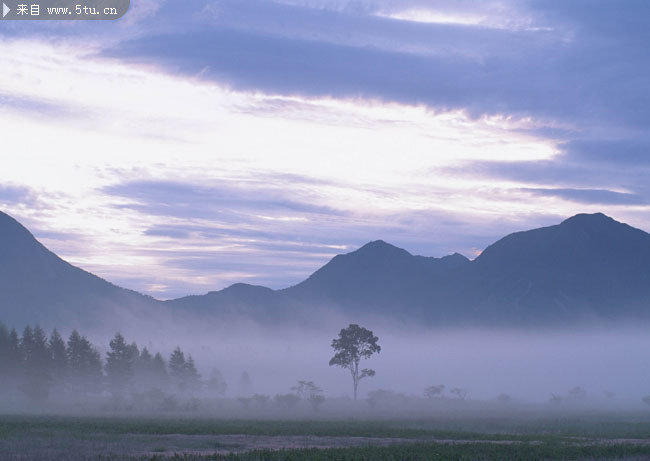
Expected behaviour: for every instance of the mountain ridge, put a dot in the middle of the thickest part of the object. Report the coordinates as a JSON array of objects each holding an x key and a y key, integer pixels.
[
  {"x": 26, "y": 265},
  {"x": 588, "y": 265}
]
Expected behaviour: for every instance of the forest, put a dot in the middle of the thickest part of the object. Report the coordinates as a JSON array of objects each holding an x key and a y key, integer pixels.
[{"x": 41, "y": 367}]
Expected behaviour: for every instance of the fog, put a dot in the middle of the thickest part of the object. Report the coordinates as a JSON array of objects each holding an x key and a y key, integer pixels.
[
  {"x": 528, "y": 366},
  {"x": 596, "y": 367}
]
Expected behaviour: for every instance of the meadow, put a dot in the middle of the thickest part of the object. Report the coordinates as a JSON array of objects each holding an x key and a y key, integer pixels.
[{"x": 588, "y": 435}]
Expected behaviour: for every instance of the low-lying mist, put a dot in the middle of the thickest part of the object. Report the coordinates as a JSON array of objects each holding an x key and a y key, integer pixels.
[
  {"x": 598, "y": 367},
  {"x": 526, "y": 365}
]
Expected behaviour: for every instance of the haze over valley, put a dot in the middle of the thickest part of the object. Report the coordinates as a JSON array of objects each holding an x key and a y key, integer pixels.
[
  {"x": 325, "y": 229},
  {"x": 537, "y": 313}
]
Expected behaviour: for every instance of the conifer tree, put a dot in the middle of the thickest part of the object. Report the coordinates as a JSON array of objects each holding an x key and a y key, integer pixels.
[
  {"x": 27, "y": 342},
  {"x": 159, "y": 372},
  {"x": 145, "y": 357},
  {"x": 10, "y": 361},
  {"x": 59, "y": 359},
  {"x": 177, "y": 368},
  {"x": 15, "y": 355},
  {"x": 119, "y": 364},
  {"x": 191, "y": 375},
  {"x": 37, "y": 377},
  {"x": 4, "y": 353},
  {"x": 143, "y": 370},
  {"x": 84, "y": 366},
  {"x": 135, "y": 352}
]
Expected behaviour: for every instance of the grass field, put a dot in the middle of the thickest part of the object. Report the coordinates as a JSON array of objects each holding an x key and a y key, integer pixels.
[{"x": 590, "y": 436}]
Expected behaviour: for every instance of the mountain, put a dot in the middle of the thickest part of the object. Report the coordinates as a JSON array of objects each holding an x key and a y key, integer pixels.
[
  {"x": 238, "y": 300},
  {"x": 589, "y": 267},
  {"x": 589, "y": 264},
  {"x": 38, "y": 286},
  {"x": 376, "y": 277}
]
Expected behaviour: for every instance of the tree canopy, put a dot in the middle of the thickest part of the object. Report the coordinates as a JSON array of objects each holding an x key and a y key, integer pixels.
[{"x": 354, "y": 344}]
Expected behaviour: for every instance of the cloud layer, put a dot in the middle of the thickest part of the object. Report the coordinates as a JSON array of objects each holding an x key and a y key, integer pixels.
[{"x": 251, "y": 140}]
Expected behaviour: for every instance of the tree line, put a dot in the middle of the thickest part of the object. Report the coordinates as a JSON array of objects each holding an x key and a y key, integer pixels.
[{"x": 41, "y": 366}]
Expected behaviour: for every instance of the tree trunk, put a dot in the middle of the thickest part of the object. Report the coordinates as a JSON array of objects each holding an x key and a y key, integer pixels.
[{"x": 355, "y": 377}]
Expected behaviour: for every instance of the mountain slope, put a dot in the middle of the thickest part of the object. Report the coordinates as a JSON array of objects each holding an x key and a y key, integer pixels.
[
  {"x": 239, "y": 300},
  {"x": 377, "y": 277},
  {"x": 587, "y": 267},
  {"x": 38, "y": 286}
]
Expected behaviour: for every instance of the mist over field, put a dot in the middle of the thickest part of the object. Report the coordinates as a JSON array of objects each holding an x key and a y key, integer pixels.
[
  {"x": 326, "y": 229},
  {"x": 553, "y": 317},
  {"x": 527, "y": 365},
  {"x": 540, "y": 367}
]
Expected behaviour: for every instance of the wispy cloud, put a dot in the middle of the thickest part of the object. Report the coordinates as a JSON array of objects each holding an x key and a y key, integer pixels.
[
  {"x": 594, "y": 196},
  {"x": 15, "y": 194},
  {"x": 211, "y": 142},
  {"x": 562, "y": 72},
  {"x": 623, "y": 152},
  {"x": 223, "y": 200}
]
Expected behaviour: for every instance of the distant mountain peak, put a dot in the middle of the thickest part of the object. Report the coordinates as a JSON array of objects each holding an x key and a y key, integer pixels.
[
  {"x": 11, "y": 229},
  {"x": 244, "y": 288},
  {"x": 589, "y": 266},
  {"x": 380, "y": 247},
  {"x": 377, "y": 244},
  {"x": 237, "y": 289},
  {"x": 37, "y": 285},
  {"x": 589, "y": 219},
  {"x": 456, "y": 257}
]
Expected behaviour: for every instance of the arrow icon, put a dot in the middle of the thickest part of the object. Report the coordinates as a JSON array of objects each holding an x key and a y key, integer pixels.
[{"x": 5, "y": 10}]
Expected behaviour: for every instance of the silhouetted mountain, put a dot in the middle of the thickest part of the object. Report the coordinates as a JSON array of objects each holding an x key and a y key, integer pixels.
[
  {"x": 377, "y": 276},
  {"x": 587, "y": 267},
  {"x": 241, "y": 299},
  {"x": 38, "y": 286}
]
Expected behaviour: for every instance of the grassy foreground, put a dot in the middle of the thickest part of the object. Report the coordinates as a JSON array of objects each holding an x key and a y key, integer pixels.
[
  {"x": 433, "y": 451},
  {"x": 185, "y": 438}
]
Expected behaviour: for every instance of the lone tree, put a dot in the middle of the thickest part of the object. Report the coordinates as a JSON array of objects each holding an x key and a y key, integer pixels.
[{"x": 353, "y": 344}]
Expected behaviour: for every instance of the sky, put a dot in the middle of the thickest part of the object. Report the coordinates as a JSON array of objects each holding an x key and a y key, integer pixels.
[{"x": 192, "y": 145}]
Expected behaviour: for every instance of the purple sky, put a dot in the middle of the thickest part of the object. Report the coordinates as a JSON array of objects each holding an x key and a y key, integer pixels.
[{"x": 191, "y": 145}]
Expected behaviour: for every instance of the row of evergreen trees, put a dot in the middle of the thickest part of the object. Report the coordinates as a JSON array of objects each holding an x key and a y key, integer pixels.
[{"x": 40, "y": 366}]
